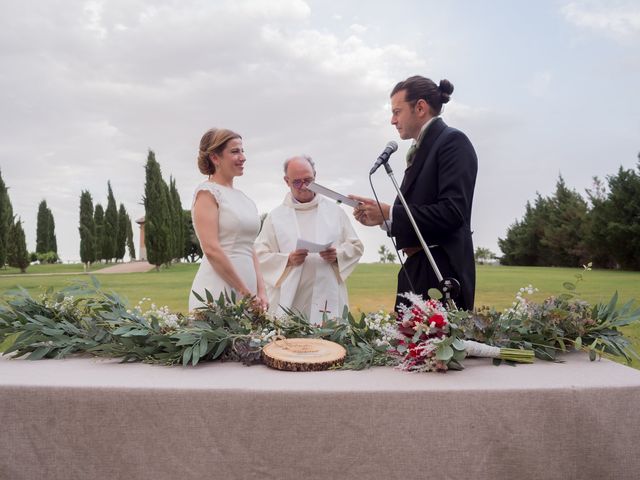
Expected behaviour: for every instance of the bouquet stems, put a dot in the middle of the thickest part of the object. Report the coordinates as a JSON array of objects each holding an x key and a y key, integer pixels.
[{"x": 477, "y": 349}]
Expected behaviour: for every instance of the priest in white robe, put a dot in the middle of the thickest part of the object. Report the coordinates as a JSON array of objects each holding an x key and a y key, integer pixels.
[{"x": 313, "y": 284}]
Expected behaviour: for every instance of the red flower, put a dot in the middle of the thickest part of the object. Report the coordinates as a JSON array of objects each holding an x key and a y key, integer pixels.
[{"x": 438, "y": 319}]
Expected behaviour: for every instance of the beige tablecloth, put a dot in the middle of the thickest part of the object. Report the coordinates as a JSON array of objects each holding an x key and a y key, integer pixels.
[{"x": 86, "y": 418}]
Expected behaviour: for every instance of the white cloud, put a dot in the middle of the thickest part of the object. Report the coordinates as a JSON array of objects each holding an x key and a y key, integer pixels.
[
  {"x": 93, "y": 13},
  {"x": 350, "y": 57},
  {"x": 93, "y": 87},
  {"x": 538, "y": 85},
  {"x": 87, "y": 88},
  {"x": 358, "y": 29},
  {"x": 620, "y": 20}
]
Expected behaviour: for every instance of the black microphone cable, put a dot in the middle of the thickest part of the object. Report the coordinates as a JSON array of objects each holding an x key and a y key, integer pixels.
[{"x": 388, "y": 227}]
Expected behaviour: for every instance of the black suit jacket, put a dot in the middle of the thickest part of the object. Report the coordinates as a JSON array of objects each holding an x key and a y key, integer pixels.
[{"x": 438, "y": 188}]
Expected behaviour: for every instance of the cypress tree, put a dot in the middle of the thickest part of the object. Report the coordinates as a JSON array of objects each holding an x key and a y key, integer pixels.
[
  {"x": 52, "y": 243},
  {"x": 6, "y": 221},
  {"x": 42, "y": 228},
  {"x": 130, "y": 245},
  {"x": 156, "y": 207},
  {"x": 110, "y": 226},
  {"x": 17, "y": 254},
  {"x": 98, "y": 218},
  {"x": 177, "y": 222},
  {"x": 168, "y": 253},
  {"x": 192, "y": 250},
  {"x": 87, "y": 229},
  {"x": 121, "y": 240}
]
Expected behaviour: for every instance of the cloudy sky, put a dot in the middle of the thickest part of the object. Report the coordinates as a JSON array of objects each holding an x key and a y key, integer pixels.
[{"x": 86, "y": 88}]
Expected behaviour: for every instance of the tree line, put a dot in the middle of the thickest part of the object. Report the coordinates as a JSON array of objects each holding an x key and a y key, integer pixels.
[
  {"x": 13, "y": 245},
  {"x": 567, "y": 230},
  {"x": 104, "y": 234}
]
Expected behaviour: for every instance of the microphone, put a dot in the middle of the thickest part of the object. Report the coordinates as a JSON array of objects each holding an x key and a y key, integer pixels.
[{"x": 384, "y": 156}]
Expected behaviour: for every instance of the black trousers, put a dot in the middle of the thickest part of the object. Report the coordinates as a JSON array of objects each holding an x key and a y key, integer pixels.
[{"x": 423, "y": 277}]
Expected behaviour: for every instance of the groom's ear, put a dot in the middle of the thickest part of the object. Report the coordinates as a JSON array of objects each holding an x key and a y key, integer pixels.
[{"x": 286, "y": 180}]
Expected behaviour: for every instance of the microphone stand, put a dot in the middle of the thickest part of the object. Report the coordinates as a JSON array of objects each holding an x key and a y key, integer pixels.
[{"x": 449, "y": 286}]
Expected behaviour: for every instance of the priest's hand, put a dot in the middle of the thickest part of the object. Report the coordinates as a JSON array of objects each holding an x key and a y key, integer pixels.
[
  {"x": 297, "y": 257},
  {"x": 368, "y": 212},
  {"x": 329, "y": 255}
]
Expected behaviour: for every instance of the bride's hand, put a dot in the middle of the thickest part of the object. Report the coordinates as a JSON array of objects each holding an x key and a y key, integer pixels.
[
  {"x": 259, "y": 302},
  {"x": 262, "y": 301}
]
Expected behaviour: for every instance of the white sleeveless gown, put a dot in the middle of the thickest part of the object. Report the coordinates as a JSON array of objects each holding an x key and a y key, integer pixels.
[{"x": 238, "y": 227}]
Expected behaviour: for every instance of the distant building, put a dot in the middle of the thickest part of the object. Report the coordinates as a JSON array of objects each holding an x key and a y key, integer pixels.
[{"x": 142, "y": 249}]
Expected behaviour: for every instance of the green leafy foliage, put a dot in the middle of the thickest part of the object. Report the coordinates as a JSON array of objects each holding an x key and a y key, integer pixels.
[
  {"x": 556, "y": 325},
  {"x": 86, "y": 319}
]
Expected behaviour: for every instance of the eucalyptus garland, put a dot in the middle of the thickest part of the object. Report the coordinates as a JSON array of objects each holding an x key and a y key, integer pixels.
[{"x": 85, "y": 319}]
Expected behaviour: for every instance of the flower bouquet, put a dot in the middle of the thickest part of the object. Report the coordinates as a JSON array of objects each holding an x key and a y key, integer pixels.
[{"x": 427, "y": 341}]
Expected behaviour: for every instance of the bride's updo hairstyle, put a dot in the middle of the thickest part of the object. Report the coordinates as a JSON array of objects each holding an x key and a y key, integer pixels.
[
  {"x": 213, "y": 142},
  {"x": 418, "y": 87}
]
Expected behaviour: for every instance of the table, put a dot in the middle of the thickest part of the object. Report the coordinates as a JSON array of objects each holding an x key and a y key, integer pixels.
[{"x": 84, "y": 418}]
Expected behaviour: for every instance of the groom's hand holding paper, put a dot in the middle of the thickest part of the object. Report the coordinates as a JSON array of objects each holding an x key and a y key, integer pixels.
[{"x": 368, "y": 212}]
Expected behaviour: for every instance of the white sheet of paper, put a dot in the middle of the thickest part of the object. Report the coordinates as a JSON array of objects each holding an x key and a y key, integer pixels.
[
  {"x": 327, "y": 192},
  {"x": 311, "y": 246}
]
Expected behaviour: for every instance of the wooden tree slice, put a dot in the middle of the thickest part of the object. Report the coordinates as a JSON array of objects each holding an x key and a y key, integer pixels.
[{"x": 303, "y": 354}]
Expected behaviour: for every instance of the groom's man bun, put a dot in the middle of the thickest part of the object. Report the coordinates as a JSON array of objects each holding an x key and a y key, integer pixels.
[{"x": 422, "y": 88}]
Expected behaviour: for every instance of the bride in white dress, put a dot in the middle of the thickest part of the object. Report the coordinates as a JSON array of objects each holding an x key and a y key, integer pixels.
[{"x": 226, "y": 222}]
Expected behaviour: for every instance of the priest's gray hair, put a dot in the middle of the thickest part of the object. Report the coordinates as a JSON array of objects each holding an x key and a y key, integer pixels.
[{"x": 305, "y": 157}]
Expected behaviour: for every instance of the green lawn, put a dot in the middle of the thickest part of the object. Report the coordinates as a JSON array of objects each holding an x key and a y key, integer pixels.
[
  {"x": 169, "y": 286},
  {"x": 371, "y": 286}
]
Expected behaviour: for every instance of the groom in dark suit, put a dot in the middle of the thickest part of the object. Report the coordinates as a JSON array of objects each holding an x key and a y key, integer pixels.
[{"x": 438, "y": 186}]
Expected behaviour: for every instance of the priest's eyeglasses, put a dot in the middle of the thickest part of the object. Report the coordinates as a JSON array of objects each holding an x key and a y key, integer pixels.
[{"x": 301, "y": 181}]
